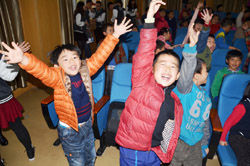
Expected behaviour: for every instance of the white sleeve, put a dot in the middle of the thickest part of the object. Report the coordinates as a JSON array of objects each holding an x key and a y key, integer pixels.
[
  {"x": 8, "y": 72},
  {"x": 91, "y": 14},
  {"x": 115, "y": 14},
  {"x": 239, "y": 19},
  {"x": 78, "y": 20},
  {"x": 101, "y": 18}
]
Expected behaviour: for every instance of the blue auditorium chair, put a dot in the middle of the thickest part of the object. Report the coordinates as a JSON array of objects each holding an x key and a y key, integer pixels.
[
  {"x": 130, "y": 42},
  {"x": 231, "y": 92},
  {"x": 120, "y": 90},
  {"x": 229, "y": 37},
  {"x": 241, "y": 44},
  {"x": 178, "y": 51}
]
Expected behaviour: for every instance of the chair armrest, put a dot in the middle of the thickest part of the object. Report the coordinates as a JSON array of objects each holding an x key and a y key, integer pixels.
[
  {"x": 48, "y": 99},
  {"x": 215, "y": 120},
  {"x": 101, "y": 103},
  {"x": 216, "y": 134}
]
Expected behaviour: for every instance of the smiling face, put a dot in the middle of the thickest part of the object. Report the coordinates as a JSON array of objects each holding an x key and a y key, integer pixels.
[
  {"x": 233, "y": 63},
  {"x": 201, "y": 78},
  {"x": 70, "y": 62},
  {"x": 211, "y": 44},
  {"x": 166, "y": 70}
]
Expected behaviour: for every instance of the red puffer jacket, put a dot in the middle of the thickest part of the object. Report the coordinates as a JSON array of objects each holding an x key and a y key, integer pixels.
[{"x": 142, "y": 108}]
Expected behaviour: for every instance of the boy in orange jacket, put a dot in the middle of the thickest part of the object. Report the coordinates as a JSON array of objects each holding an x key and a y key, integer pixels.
[{"x": 73, "y": 96}]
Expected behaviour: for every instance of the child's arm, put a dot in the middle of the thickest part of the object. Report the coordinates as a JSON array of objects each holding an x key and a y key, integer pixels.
[
  {"x": 202, "y": 42},
  {"x": 188, "y": 66},
  {"x": 237, "y": 114},
  {"x": 143, "y": 59},
  {"x": 206, "y": 136},
  {"x": 8, "y": 72},
  {"x": 196, "y": 12},
  {"x": 31, "y": 64},
  {"x": 107, "y": 46}
]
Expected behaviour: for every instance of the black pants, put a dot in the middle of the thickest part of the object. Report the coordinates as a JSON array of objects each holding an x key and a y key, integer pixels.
[
  {"x": 98, "y": 35},
  {"x": 21, "y": 133},
  {"x": 241, "y": 148}
]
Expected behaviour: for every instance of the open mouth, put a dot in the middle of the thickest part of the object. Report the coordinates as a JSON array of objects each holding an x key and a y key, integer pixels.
[
  {"x": 166, "y": 77},
  {"x": 73, "y": 67}
]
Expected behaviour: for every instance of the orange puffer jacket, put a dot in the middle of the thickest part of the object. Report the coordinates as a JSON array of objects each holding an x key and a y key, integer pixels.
[{"x": 55, "y": 78}]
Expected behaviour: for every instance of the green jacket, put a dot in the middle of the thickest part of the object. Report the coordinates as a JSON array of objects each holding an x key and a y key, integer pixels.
[
  {"x": 215, "y": 89},
  {"x": 206, "y": 55}
]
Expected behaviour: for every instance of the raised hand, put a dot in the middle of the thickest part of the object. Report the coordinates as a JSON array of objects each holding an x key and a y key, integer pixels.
[
  {"x": 206, "y": 16},
  {"x": 223, "y": 143},
  {"x": 25, "y": 46},
  {"x": 199, "y": 5},
  {"x": 193, "y": 36},
  {"x": 122, "y": 28},
  {"x": 154, "y": 7},
  {"x": 14, "y": 55}
]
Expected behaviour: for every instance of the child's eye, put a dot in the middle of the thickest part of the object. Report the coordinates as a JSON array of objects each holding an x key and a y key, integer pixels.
[{"x": 65, "y": 60}]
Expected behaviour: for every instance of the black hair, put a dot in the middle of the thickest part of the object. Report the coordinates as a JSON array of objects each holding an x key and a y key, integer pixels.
[
  {"x": 89, "y": 1},
  {"x": 199, "y": 21},
  {"x": 110, "y": 3},
  {"x": 234, "y": 53},
  {"x": 208, "y": 8},
  {"x": 246, "y": 20},
  {"x": 161, "y": 10},
  {"x": 168, "y": 52},
  {"x": 99, "y": 2},
  {"x": 159, "y": 44},
  {"x": 199, "y": 64},
  {"x": 59, "y": 49},
  {"x": 184, "y": 20},
  {"x": 120, "y": 2},
  {"x": 211, "y": 35},
  {"x": 226, "y": 22},
  {"x": 130, "y": 7},
  {"x": 104, "y": 29},
  {"x": 79, "y": 8},
  {"x": 246, "y": 92},
  {"x": 163, "y": 30},
  {"x": 228, "y": 14},
  {"x": 218, "y": 6}
]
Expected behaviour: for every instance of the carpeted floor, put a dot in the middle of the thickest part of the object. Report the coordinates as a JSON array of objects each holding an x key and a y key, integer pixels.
[{"x": 42, "y": 138}]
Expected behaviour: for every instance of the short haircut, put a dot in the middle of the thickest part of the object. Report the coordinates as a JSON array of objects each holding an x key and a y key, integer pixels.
[
  {"x": 110, "y": 3},
  {"x": 120, "y": 2},
  {"x": 168, "y": 52},
  {"x": 226, "y": 22},
  {"x": 234, "y": 53},
  {"x": 246, "y": 20},
  {"x": 199, "y": 64},
  {"x": 162, "y": 10},
  {"x": 218, "y": 6},
  {"x": 199, "y": 21},
  {"x": 99, "y": 2},
  {"x": 59, "y": 49},
  {"x": 211, "y": 35},
  {"x": 163, "y": 30},
  {"x": 104, "y": 29},
  {"x": 159, "y": 44},
  {"x": 89, "y": 1}
]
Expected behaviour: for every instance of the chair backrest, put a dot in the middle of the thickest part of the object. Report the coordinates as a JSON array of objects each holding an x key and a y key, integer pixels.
[
  {"x": 179, "y": 39},
  {"x": 248, "y": 68},
  {"x": 178, "y": 51},
  {"x": 231, "y": 92},
  {"x": 218, "y": 62},
  {"x": 98, "y": 84},
  {"x": 132, "y": 40},
  {"x": 121, "y": 82},
  {"x": 181, "y": 31},
  {"x": 229, "y": 37},
  {"x": 241, "y": 44}
]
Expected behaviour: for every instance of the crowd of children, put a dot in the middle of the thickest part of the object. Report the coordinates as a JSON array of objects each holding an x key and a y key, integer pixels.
[{"x": 166, "y": 116}]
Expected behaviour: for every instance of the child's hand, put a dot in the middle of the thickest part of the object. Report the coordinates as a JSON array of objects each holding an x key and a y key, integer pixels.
[
  {"x": 154, "y": 7},
  {"x": 25, "y": 46},
  {"x": 193, "y": 36},
  {"x": 206, "y": 150},
  {"x": 223, "y": 143},
  {"x": 122, "y": 28},
  {"x": 206, "y": 16},
  {"x": 14, "y": 55}
]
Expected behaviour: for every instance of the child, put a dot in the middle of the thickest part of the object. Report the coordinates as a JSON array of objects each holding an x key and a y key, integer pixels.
[
  {"x": 172, "y": 23},
  {"x": 100, "y": 18},
  {"x": 215, "y": 24},
  {"x": 160, "y": 21},
  {"x": 165, "y": 36},
  {"x": 151, "y": 76},
  {"x": 220, "y": 41},
  {"x": 206, "y": 43},
  {"x": 73, "y": 97},
  {"x": 196, "y": 104},
  {"x": 233, "y": 60},
  {"x": 10, "y": 108},
  {"x": 238, "y": 124}
]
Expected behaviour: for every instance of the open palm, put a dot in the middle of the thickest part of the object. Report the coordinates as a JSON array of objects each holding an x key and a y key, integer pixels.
[
  {"x": 154, "y": 7},
  {"x": 12, "y": 55},
  {"x": 122, "y": 28}
]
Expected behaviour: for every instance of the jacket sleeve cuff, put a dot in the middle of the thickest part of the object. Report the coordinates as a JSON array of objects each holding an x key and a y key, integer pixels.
[
  {"x": 204, "y": 147},
  {"x": 149, "y": 26},
  {"x": 190, "y": 50}
]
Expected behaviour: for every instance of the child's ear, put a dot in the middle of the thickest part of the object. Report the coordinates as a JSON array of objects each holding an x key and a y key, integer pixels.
[
  {"x": 104, "y": 33},
  {"x": 227, "y": 61},
  {"x": 55, "y": 65},
  {"x": 178, "y": 75}
]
